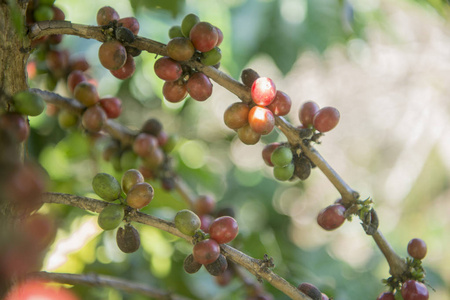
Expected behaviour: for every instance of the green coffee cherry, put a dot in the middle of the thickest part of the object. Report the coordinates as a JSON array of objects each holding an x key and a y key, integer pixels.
[
  {"x": 175, "y": 31},
  {"x": 106, "y": 186},
  {"x": 111, "y": 217},
  {"x": 283, "y": 173},
  {"x": 188, "y": 22},
  {"x": 212, "y": 57},
  {"x": 281, "y": 156},
  {"x": 187, "y": 222},
  {"x": 27, "y": 103},
  {"x": 43, "y": 13}
]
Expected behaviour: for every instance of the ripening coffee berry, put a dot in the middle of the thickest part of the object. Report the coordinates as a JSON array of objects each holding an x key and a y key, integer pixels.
[
  {"x": 281, "y": 105},
  {"x": 106, "y": 14},
  {"x": 236, "y": 115},
  {"x": 180, "y": 49},
  {"x": 220, "y": 36},
  {"x": 417, "y": 248},
  {"x": 128, "y": 239},
  {"x": 310, "y": 290},
  {"x": 130, "y": 178},
  {"x": 326, "y": 119},
  {"x": 28, "y": 103},
  {"x": 112, "y": 55},
  {"x": 223, "y": 229},
  {"x": 199, "y": 86},
  {"x": 281, "y": 156},
  {"x": 331, "y": 217},
  {"x": 261, "y": 120},
  {"x": 112, "y": 106},
  {"x": 127, "y": 70},
  {"x": 190, "y": 265},
  {"x": 267, "y": 153},
  {"x": 145, "y": 144},
  {"x": 74, "y": 78},
  {"x": 152, "y": 126},
  {"x": 140, "y": 195},
  {"x": 168, "y": 69},
  {"x": 174, "y": 91},
  {"x": 386, "y": 296},
  {"x": 217, "y": 267},
  {"x": 211, "y": 57},
  {"x": 188, "y": 22},
  {"x": 57, "y": 62},
  {"x": 131, "y": 23},
  {"x": 263, "y": 91},
  {"x": 307, "y": 112},
  {"x": 93, "y": 118},
  {"x": 325, "y": 297},
  {"x": 67, "y": 119},
  {"x": 248, "y": 76},
  {"x": 284, "y": 173},
  {"x": 106, "y": 186},
  {"x": 175, "y": 31},
  {"x": 15, "y": 124},
  {"x": 78, "y": 63},
  {"x": 247, "y": 135},
  {"x": 206, "y": 220},
  {"x": 43, "y": 13},
  {"x": 86, "y": 93},
  {"x": 111, "y": 217},
  {"x": 414, "y": 290},
  {"x": 153, "y": 160},
  {"x": 206, "y": 251},
  {"x": 204, "y": 36},
  {"x": 187, "y": 222},
  {"x": 204, "y": 204}
]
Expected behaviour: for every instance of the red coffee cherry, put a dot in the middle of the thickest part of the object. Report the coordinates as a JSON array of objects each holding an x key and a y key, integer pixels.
[
  {"x": 74, "y": 78},
  {"x": 131, "y": 23},
  {"x": 204, "y": 204},
  {"x": 206, "y": 221},
  {"x": 386, "y": 296},
  {"x": 127, "y": 70},
  {"x": 223, "y": 229},
  {"x": 112, "y": 55},
  {"x": 174, "y": 91},
  {"x": 199, "y": 86},
  {"x": 94, "y": 118},
  {"x": 281, "y": 105},
  {"x": 140, "y": 195},
  {"x": 204, "y": 36},
  {"x": 261, "y": 120},
  {"x": 180, "y": 49},
  {"x": 86, "y": 93},
  {"x": 267, "y": 153},
  {"x": 417, "y": 248},
  {"x": 247, "y": 135},
  {"x": 326, "y": 119},
  {"x": 219, "y": 36},
  {"x": 414, "y": 290},
  {"x": 206, "y": 251},
  {"x": 106, "y": 14},
  {"x": 78, "y": 63},
  {"x": 57, "y": 62},
  {"x": 112, "y": 107},
  {"x": 168, "y": 69},
  {"x": 236, "y": 115},
  {"x": 15, "y": 124},
  {"x": 307, "y": 112},
  {"x": 263, "y": 91},
  {"x": 331, "y": 217},
  {"x": 145, "y": 144}
]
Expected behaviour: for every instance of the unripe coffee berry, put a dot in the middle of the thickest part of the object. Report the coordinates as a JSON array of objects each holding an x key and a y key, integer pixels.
[
  {"x": 106, "y": 186},
  {"x": 187, "y": 222},
  {"x": 111, "y": 217},
  {"x": 140, "y": 195}
]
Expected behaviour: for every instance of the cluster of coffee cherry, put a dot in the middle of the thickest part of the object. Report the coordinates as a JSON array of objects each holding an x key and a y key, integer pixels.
[
  {"x": 258, "y": 118},
  {"x": 113, "y": 55},
  {"x": 138, "y": 194}
]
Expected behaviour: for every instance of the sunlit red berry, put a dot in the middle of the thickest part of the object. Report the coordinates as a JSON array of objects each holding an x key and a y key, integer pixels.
[
  {"x": 263, "y": 91},
  {"x": 261, "y": 120}
]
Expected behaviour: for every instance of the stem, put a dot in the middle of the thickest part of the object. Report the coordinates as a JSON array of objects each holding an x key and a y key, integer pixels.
[{"x": 397, "y": 265}]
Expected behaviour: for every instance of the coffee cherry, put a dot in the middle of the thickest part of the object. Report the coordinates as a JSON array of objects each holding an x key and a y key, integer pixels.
[
  {"x": 106, "y": 14},
  {"x": 180, "y": 49},
  {"x": 128, "y": 239},
  {"x": 261, "y": 120},
  {"x": 248, "y": 136},
  {"x": 236, "y": 115},
  {"x": 131, "y": 23},
  {"x": 140, "y": 195},
  {"x": 74, "y": 78},
  {"x": 248, "y": 77},
  {"x": 152, "y": 126},
  {"x": 331, "y": 217},
  {"x": 281, "y": 105},
  {"x": 40, "y": 231},
  {"x": 57, "y": 62},
  {"x": 187, "y": 222},
  {"x": 414, "y": 290},
  {"x": 127, "y": 70},
  {"x": 111, "y": 217},
  {"x": 206, "y": 251},
  {"x": 211, "y": 57},
  {"x": 86, "y": 93},
  {"x": 307, "y": 112},
  {"x": 219, "y": 36},
  {"x": 130, "y": 178},
  {"x": 326, "y": 119},
  {"x": 145, "y": 144},
  {"x": 267, "y": 153},
  {"x": 218, "y": 267},
  {"x": 417, "y": 248},
  {"x": 112, "y": 107},
  {"x": 175, "y": 31},
  {"x": 15, "y": 124},
  {"x": 168, "y": 69},
  {"x": 325, "y": 297},
  {"x": 310, "y": 290},
  {"x": 67, "y": 119},
  {"x": 223, "y": 230},
  {"x": 281, "y": 156},
  {"x": 225, "y": 278},
  {"x": 112, "y": 55},
  {"x": 204, "y": 204},
  {"x": 263, "y": 91},
  {"x": 204, "y": 36},
  {"x": 284, "y": 173},
  {"x": 190, "y": 265},
  {"x": 302, "y": 168},
  {"x": 94, "y": 118},
  {"x": 106, "y": 186},
  {"x": 206, "y": 221},
  {"x": 43, "y": 13},
  {"x": 188, "y": 22},
  {"x": 199, "y": 86},
  {"x": 28, "y": 103},
  {"x": 78, "y": 63},
  {"x": 154, "y": 159},
  {"x": 128, "y": 160},
  {"x": 174, "y": 91},
  {"x": 386, "y": 296}
]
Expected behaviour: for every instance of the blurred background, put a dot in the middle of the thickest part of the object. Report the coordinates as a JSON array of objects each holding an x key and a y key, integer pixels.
[{"x": 383, "y": 64}]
